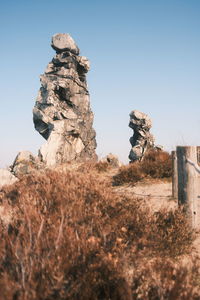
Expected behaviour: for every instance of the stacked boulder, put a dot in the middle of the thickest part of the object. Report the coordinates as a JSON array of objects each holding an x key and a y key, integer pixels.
[
  {"x": 142, "y": 139},
  {"x": 62, "y": 113}
]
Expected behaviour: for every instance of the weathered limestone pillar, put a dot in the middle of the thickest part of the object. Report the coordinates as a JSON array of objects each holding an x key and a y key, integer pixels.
[{"x": 62, "y": 113}]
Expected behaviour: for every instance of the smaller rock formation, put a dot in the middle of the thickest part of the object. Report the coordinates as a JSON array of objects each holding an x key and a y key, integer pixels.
[
  {"x": 112, "y": 160},
  {"x": 6, "y": 177},
  {"x": 24, "y": 163},
  {"x": 142, "y": 139}
]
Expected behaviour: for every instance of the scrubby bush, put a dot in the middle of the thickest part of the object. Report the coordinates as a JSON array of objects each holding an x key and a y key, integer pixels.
[
  {"x": 163, "y": 279},
  {"x": 129, "y": 174},
  {"x": 155, "y": 164},
  {"x": 71, "y": 237},
  {"x": 172, "y": 234},
  {"x": 99, "y": 167}
]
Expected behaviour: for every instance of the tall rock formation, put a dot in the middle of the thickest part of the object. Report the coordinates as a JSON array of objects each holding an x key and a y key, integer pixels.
[
  {"x": 142, "y": 139},
  {"x": 62, "y": 113}
]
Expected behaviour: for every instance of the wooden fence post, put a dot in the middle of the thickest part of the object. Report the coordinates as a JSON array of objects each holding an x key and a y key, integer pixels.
[
  {"x": 188, "y": 177},
  {"x": 198, "y": 155},
  {"x": 174, "y": 176}
]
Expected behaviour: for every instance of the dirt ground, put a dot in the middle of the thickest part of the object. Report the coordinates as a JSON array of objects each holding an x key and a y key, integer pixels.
[{"x": 156, "y": 193}]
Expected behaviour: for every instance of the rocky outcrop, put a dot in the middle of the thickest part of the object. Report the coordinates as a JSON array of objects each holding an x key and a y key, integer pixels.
[
  {"x": 25, "y": 163},
  {"x": 142, "y": 139},
  {"x": 62, "y": 113},
  {"x": 6, "y": 177},
  {"x": 112, "y": 160}
]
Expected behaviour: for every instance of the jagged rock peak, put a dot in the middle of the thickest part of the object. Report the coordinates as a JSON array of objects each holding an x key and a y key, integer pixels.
[{"x": 62, "y": 113}]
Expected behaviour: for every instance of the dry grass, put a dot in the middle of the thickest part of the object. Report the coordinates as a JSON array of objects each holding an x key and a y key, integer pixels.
[
  {"x": 94, "y": 167},
  {"x": 128, "y": 174},
  {"x": 156, "y": 164},
  {"x": 72, "y": 237},
  {"x": 163, "y": 279}
]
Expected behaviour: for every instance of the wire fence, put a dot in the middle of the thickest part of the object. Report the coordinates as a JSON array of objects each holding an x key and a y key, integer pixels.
[{"x": 196, "y": 166}]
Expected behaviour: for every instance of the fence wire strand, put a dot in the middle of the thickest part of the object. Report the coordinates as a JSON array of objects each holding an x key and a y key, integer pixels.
[{"x": 196, "y": 167}]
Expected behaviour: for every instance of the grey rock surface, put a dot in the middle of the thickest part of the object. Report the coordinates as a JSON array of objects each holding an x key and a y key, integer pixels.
[
  {"x": 62, "y": 113},
  {"x": 25, "y": 163},
  {"x": 112, "y": 160},
  {"x": 142, "y": 139},
  {"x": 63, "y": 42},
  {"x": 6, "y": 177}
]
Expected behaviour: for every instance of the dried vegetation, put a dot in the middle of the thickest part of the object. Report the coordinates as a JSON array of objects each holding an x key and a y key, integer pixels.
[
  {"x": 72, "y": 237},
  {"x": 156, "y": 164}
]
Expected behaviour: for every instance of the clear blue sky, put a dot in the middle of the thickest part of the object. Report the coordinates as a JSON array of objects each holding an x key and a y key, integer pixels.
[{"x": 144, "y": 55}]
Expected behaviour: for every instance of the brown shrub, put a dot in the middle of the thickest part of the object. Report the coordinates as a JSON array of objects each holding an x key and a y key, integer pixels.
[
  {"x": 128, "y": 174},
  {"x": 72, "y": 237},
  {"x": 172, "y": 234},
  {"x": 102, "y": 166},
  {"x": 99, "y": 167},
  {"x": 156, "y": 164},
  {"x": 163, "y": 279}
]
